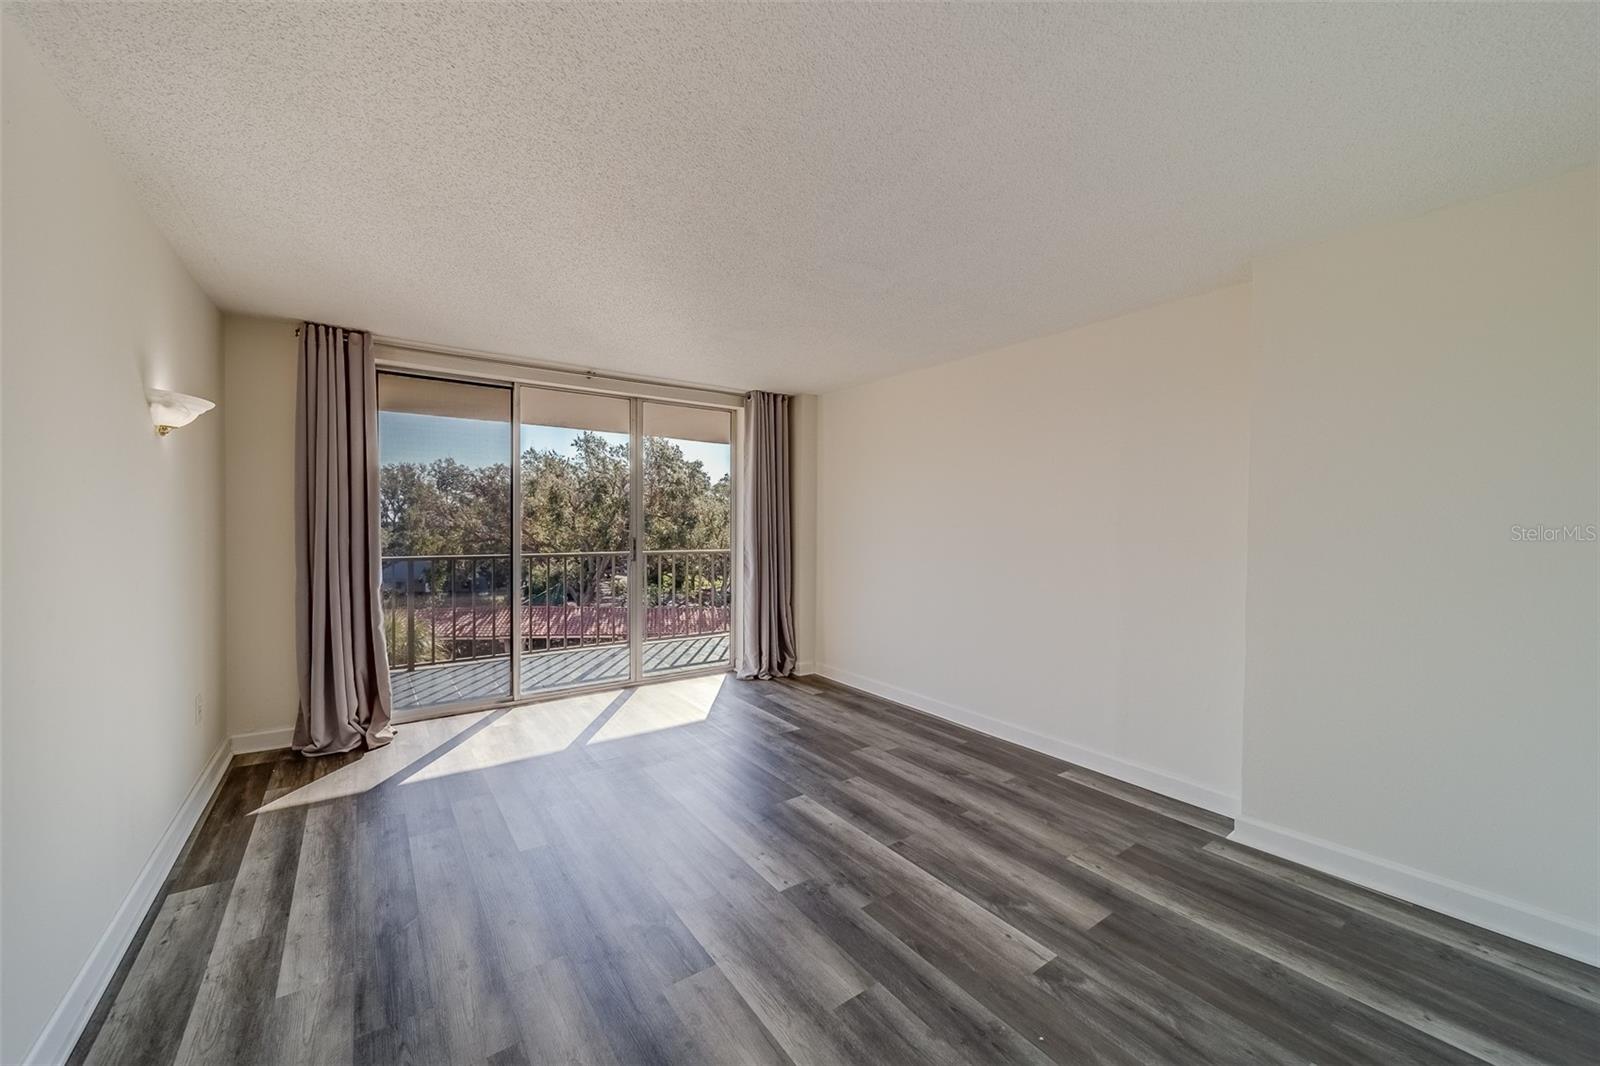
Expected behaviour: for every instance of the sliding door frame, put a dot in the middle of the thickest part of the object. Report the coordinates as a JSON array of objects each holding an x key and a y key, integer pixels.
[
  {"x": 475, "y": 369},
  {"x": 514, "y": 598},
  {"x": 638, "y": 584}
]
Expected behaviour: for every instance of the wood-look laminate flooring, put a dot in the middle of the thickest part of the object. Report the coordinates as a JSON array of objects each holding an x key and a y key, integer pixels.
[{"x": 717, "y": 871}]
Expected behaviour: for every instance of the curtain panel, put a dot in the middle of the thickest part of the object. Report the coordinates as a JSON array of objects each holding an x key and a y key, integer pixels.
[
  {"x": 345, "y": 702},
  {"x": 766, "y": 540}
]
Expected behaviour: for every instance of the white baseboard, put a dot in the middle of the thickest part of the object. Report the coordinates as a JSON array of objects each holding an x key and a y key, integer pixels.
[
  {"x": 801, "y": 669},
  {"x": 1519, "y": 921},
  {"x": 61, "y": 1032},
  {"x": 263, "y": 740},
  {"x": 1168, "y": 784}
]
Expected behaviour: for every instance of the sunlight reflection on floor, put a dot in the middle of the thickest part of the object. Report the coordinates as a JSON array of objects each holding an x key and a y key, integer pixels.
[
  {"x": 483, "y": 739},
  {"x": 523, "y": 733},
  {"x": 664, "y": 706}
]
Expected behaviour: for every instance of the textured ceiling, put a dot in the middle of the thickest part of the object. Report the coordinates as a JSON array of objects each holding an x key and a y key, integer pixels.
[{"x": 794, "y": 197}]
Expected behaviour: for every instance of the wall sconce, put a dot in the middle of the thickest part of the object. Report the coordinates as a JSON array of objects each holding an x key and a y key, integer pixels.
[{"x": 169, "y": 410}]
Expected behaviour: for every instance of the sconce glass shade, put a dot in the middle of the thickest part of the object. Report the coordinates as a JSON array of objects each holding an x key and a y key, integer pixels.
[{"x": 169, "y": 410}]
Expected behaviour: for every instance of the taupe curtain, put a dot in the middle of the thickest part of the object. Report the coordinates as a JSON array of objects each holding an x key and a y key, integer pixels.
[
  {"x": 766, "y": 540},
  {"x": 345, "y": 701}
]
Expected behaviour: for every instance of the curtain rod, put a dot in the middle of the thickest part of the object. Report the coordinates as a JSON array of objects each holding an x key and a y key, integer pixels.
[
  {"x": 560, "y": 368},
  {"x": 515, "y": 363}
]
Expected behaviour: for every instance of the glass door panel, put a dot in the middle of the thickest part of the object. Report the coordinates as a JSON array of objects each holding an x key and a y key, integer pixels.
[
  {"x": 576, "y": 469},
  {"x": 444, "y": 454},
  {"x": 484, "y": 602},
  {"x": 688, "y": 520}
]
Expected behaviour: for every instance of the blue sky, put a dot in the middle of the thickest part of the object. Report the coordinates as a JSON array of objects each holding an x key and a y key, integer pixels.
[{"x": 409, "y": 438}]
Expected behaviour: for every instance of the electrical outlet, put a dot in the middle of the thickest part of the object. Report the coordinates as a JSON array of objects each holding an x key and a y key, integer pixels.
[{"x": 199, "y": 708}]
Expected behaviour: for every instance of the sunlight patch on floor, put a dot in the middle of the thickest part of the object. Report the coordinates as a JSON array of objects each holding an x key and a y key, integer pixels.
[
  {"x": 412, "y": 741},
  {"x": 522, "y": 733},
  {"x": 440, "y": 747},
  {"x": 666, "y": 705}
]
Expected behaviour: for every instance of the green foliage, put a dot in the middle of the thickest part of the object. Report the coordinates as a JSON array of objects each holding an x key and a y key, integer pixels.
[
  {"x": 578, "y": 502},
  {"x": 571, "y": 503},
  {"x": 683, "y": 508},
  {"x": 443, "y": 508}
]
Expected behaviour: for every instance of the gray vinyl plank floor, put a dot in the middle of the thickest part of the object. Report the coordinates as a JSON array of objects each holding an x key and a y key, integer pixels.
[{"x": 707, "y": 870}]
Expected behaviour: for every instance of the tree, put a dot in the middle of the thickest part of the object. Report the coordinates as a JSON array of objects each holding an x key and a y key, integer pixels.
[
  {"x": 683, "y": 508},
  {"x": 443, "y": 508},
  {"x": 574, "y": 502},
  {"x": 575, "y": 506}
]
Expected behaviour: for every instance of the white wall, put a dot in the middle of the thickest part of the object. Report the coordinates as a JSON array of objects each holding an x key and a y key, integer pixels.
[
  {"x": 1422, "y": 685},
  {"x": 112, "y": 542},
  {"x": 1422, "y": 711},
  {"x": 263, "y": 693},
  {"x": 1047, "y": 541}
]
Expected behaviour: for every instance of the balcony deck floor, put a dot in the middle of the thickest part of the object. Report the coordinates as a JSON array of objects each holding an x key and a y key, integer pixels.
[{"x": 546, "y": 671}]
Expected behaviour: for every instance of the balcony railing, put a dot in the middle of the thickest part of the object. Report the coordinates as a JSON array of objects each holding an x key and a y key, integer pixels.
[
  {"x": 451, "y": 608},
  {"x": 688, "y": 592}
]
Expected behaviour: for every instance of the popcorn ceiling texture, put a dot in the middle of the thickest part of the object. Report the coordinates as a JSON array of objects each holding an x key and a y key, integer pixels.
[{"x": 794, "y": 197}]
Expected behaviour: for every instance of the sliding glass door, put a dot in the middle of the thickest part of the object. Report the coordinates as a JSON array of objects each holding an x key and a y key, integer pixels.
[
  {"x": 444, "y": 450},
  {"x": 688, "y": 527},
  {"x": 538, "y": 540},
  {"x": 577, "y": 543}
]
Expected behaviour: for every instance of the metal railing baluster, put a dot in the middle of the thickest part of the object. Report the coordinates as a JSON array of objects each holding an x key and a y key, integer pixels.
[
  {"x": 686, "y": 597},
  {"x": 411, "y": 617}
]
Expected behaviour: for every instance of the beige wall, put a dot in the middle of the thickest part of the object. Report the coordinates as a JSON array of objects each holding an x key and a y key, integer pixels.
[
  {"x": 1047, "y": 541},
  {"x": 1422, "y": 684},
  {"x": 263, "y": 694},
  {"x": 803, "y": 442},
  {"x": 112, "y": 546}
]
